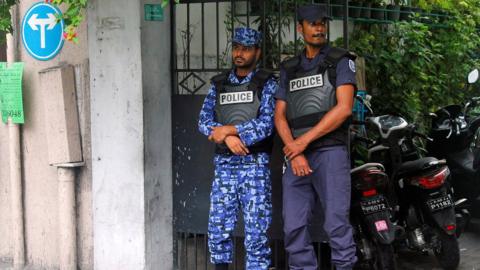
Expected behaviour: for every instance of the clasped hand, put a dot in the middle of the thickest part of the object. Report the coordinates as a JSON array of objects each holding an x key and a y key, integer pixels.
[
  {"x": 294, "y": 148},
  {"x": 218, "y": 134}
]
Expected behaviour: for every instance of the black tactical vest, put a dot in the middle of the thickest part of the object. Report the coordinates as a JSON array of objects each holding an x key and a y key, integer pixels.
[
  {"x": 311, "y": 94},
  {"x": 238, "y": 103}
]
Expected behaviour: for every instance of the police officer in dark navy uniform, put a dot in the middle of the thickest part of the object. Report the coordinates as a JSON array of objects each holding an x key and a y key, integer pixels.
[
  {"x": 312, "y": 114},
  {"x": 238, "y": 116}
]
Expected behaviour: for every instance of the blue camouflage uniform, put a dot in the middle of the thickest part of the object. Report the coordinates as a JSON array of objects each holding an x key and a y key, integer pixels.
[{"x": 241, "y": 181}]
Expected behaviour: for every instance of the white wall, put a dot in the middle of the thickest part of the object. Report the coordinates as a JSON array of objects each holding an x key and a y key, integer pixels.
[
  {"x": 117, "y": 134},
  {"x": 39, "y": 179}
]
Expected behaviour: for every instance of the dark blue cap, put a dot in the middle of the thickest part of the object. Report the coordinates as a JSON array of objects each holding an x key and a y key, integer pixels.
[
  {"x": 312, "y": 12},
  {"x": 246, "y": 36}
]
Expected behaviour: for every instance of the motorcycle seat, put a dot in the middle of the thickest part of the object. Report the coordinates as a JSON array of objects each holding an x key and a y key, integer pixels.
[
  {"x": 367, "y": 166},
  {"x": 412, "y": 167}
]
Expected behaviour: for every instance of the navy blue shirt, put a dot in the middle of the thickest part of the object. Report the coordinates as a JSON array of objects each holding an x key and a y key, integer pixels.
[{"x": 345, "y": 71}]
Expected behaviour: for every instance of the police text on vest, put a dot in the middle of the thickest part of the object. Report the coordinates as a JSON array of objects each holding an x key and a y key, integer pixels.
[
  {"x": 306, "y": 82},
  {"x": 236, "y": 97}
]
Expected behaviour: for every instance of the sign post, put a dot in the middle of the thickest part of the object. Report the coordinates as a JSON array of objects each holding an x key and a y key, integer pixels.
[{"x": 42, "y": 31}]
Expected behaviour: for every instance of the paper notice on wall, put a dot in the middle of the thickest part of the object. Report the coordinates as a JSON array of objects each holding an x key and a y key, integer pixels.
[{"x": 11, "y": 98}]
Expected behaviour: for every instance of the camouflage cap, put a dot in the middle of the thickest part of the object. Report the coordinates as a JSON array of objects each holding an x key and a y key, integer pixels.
[{"x": 246, "y": 36}]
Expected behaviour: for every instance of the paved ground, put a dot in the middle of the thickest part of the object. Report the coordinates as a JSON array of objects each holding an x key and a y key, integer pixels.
[
  {"x": 469, "y": 250},
  {"x": 469, "y": 253}
]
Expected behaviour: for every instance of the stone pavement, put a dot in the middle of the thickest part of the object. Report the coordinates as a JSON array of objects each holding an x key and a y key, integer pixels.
[{"x": 469, "y": 253}]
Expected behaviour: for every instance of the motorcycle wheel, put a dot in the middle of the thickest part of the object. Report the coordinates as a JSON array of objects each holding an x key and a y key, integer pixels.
[
  {"x": 448, "y": 252},
  {"x": 384, "y": 257}
]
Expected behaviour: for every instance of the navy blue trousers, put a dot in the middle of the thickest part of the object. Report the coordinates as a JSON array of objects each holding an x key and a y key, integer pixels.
[{"x": 330, "y": 183}]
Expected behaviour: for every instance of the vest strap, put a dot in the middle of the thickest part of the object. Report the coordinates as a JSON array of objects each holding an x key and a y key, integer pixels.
[
  {"x": 306, "y": 121},
  {"x": 219, "y": 80},
  {"x": 332, "y": 58}
]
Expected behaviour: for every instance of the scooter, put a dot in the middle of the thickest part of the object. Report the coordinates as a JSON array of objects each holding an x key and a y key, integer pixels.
[
  {"x": 455, "y": 137},
  {"x": 425, "y": 206},
  {"x": 370, "y": 211},
  {"x": 370, "y": 215}
]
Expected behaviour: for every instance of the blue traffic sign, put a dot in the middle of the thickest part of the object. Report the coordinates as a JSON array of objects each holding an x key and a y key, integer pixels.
[{"x": 42, "y": 32}]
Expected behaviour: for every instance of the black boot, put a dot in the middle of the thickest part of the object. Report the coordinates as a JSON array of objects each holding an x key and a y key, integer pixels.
[{"x": 221, "y": 266}]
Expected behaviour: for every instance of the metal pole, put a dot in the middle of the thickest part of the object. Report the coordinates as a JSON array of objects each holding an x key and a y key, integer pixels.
[
  {"x": 67, "y": 218},
  {"x": 15, "y": 168},
  {"x": 16, "y": 195},
  {"x": 345, "y": 25}
]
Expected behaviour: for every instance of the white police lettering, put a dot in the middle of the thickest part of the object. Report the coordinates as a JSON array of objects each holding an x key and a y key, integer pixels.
[
  {"x": 306, "y": 82},
  {"x": 236, "y": 97}
]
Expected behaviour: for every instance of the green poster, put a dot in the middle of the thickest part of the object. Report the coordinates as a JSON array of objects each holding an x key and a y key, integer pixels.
[{"x": 11, "y": 101}]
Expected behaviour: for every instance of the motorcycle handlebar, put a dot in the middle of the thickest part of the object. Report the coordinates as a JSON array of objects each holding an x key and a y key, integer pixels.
[
  {"x": 471, "y": 102},
  {"x": 363, "y": 139},
  {"x": 418, "y": 134}
]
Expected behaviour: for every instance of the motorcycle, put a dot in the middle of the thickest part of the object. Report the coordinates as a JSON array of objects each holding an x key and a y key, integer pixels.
[
  {"x": 455, "y": 137},
  {"x": 370, "y": 216},
  {"x": 370, "y": 211},
  {"x": 424, "y": 203}
]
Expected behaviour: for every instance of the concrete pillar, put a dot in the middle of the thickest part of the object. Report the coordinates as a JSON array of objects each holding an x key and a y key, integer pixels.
[
  {"x": 117, "y": 134},
  {"x": 157, "y": 91}
]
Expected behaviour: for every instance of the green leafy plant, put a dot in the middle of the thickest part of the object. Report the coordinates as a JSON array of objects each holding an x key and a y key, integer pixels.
[
  {"x": 413, "y": 68},
  {"x": 5, "y": 18},
  {"x": 165, "y": 2},
  {"x": 273, "y": 26},
  {"x": 72, "y": 16}
]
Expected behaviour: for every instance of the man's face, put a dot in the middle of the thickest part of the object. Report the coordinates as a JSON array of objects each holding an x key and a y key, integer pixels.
[
  {"x": 314, "y": 33},
  {"x": 245, "y": 56}
]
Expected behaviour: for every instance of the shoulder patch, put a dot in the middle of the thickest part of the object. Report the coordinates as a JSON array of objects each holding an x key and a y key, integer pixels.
[{"x": 351, "y": 65}]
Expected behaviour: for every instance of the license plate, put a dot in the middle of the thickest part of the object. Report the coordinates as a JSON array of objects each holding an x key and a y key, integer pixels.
[
  {"x": 373, "y": 205},
  {"x": 440, "y": 203},
  {"x": 381, "y": 225}
]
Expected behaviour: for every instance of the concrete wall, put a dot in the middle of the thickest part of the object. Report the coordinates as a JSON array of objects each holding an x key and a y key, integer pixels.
[
  {"x": 39, "y": 179},
  {"x": 157, "y": 91},
  {"x": 130, "y": 209},
  {"x": 117, "y": 134}
]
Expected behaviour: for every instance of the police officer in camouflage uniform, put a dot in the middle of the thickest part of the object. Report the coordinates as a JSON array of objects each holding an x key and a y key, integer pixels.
[
  {"x": 313, "y": 108},
  {"x": 238, "y": 116}
]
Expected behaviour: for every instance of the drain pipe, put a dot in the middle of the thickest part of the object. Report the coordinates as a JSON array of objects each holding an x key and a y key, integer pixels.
[
  {"x": 66, "y": 214},
  {"x": 15, "y": 165}
]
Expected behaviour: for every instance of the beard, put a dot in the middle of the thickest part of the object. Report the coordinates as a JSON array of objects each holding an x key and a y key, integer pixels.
[
  {"x": 320, "y": 43},
  {"x": 245, "y": 64}
]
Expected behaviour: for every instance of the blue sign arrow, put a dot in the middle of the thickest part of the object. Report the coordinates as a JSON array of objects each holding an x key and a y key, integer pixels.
[{"x": 42, "y": 33}]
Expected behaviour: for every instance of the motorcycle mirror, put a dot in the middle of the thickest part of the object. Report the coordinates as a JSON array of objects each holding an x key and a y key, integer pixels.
[
  {"x": 365, "y": 101},
  {"x": 473, "y": 76}
]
